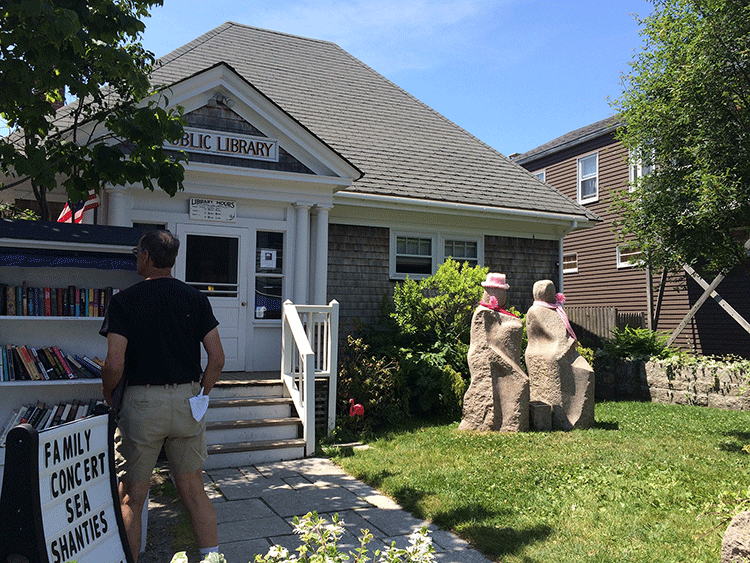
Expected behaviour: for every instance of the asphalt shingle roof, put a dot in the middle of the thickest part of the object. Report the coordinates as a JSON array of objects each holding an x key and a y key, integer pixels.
[
  {"x": 403, "y": 147},
  {"x": 570, "y": 139}
]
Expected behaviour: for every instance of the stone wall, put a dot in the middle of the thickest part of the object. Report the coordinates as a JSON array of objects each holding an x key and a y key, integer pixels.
[{"x": 681, "y": 385}]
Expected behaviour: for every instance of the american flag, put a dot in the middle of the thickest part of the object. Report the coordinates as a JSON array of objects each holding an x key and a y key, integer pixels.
[{"x": 68, "y": 215}]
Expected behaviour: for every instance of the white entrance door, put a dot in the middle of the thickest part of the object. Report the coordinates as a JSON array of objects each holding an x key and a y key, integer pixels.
[{"x": 212, "y": 258}]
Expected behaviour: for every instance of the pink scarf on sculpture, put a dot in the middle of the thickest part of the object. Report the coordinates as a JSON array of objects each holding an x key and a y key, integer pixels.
[
  {"x": 495, "y": 307},
  {"x": 558, "y": 306}
]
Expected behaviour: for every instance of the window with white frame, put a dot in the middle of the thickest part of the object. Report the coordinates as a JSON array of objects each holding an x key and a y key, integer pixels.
[
  {"x": 461, "y": 251},
  {"x": 541, "y": 174},
  {"x": 570, "y": 263},
  {"x": 628, "y": 256},
  {"x": 414, "y": 256},
  {"x": 588, "y": 178},
  {"x": 418, "y": 255},
  {"x": 637, "y": 170}
]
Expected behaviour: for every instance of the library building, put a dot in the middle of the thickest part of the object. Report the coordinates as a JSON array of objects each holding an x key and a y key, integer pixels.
[{"x": 310, "y": 178}]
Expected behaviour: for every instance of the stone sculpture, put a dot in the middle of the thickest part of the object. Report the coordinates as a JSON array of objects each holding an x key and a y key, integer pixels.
[
  {"x": 558, "y": 374},
  {"x": 498, "y": 396}
]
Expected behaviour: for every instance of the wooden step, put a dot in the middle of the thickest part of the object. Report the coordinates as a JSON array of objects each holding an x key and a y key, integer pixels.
[
  {"x": 249, "y": 402},
  {"x": 256, "y": 446},
  {"x": 252, "y": 423}
]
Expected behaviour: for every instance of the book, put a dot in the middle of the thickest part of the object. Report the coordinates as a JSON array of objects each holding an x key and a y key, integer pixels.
[
  {"x": 12, "y": 420},
  {"x": 25, "y": 298},
  {"x": 20, "y": 292},
  {"x": 3, "y": 298},
  {"x": 57, "y": 417},
  {"x": 10, "y": 300},
  {"x": 47, "y": 302},
  {"x": 63, "y": 362},
  {"x": 37, "y": 414},
  {"x": 28, "y": 372},
  {"x": 14, "y": 363},
  {"x": 44, "y": 370},
  {"x": 60, "y": 301},
  {"x": 92, "y": 366},
  {"x": 53, "y": 362},
  {"x": 64, "y": 414},
  {"x": 3, "y": 364},
  {"x": 73, "y": 410}
]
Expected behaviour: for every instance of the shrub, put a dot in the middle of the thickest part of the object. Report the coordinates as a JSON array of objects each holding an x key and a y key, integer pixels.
[
  {"x": 637, "y": 343},
  {"x": 374, "y": 381}
]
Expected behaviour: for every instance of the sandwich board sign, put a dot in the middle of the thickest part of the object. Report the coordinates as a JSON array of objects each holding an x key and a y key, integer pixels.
[{"x": 59, "y": 500}]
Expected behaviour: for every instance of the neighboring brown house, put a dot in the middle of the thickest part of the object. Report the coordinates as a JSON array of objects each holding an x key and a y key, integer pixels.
[{"x": 588, "y": 165}]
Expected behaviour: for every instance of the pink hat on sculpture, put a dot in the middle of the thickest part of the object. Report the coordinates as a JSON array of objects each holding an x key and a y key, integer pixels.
[{"x": 495, "y": 280}]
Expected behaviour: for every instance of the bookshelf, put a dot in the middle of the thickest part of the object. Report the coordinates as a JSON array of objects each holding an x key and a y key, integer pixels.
[{"x": 60, "y": 255}]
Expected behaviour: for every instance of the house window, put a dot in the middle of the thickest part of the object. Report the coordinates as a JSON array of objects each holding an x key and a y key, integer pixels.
[
  {"x": 588, "y": 184},
  {"x": 628, "y": 256},
  {"x": 541, "y": 174},
  {"x": 269, "y": 276},
  {"x": 413, "y": 256},
  {"x": 570, "y": 263},
  {"x": 638, "y": 170},
  {"x": 418, "y": 255},
  {"x": 462, "y": 251}
]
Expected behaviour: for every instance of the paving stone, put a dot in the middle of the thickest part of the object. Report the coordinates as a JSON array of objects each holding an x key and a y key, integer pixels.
[
  {"x": 244, "y": 551},
  {"x": 392, "y": 522},
  {"x": 253, "y": 528},
  {"x": 236, "y": 510}
]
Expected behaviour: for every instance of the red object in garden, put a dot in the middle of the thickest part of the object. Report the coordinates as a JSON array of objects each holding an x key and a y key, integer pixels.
[{"x": 355, "y": 409}]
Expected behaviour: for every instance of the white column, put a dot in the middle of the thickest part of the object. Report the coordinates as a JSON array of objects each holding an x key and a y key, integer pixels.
[
  {"x": 117, "y": 212},
  {"x": 302, "y": 254},
  {"x": 320, "y": 279}
]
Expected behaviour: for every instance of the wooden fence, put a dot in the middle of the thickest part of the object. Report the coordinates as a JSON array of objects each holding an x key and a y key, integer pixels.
[{"x": 592, "y": 324}]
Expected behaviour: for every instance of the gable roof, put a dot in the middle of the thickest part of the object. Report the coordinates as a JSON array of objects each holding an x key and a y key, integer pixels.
[
  {"x": 570, "y": 139},
  {"x": 403, "y": 147}
]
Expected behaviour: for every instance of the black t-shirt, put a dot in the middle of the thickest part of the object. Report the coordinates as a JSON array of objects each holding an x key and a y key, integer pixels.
[{"x": 164, "y": 320}]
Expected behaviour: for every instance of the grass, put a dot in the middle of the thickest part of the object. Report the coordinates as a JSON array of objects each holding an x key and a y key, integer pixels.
[{"x": 635, "y": 488}]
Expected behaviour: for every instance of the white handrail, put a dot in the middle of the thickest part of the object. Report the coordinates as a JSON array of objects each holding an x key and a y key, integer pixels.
[{"x": 309, "y": 349}]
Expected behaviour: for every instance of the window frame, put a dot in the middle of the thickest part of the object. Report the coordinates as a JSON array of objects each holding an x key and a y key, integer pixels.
[
  {"x": 580, "y": 179},
  {"x": 541, "y": 174},
  {"x": 570, "y": 270},
  {"x": 623, "y": 264},
  {"x": 438, "y": 241}
]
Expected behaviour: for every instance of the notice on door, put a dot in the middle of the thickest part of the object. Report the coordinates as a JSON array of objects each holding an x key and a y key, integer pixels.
[{"x": 213, "y": 210}]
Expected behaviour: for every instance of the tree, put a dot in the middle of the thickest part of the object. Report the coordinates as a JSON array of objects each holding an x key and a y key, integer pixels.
[
  {"x": 686, "y": 112},
  {"x": 112, "y": 132}
]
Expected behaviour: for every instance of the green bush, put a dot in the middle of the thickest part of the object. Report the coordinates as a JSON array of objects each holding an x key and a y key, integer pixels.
[
  {"x": 637, "y": 343},
  {"x": 374, "y": 381},
  {"x": 432, "y": 320}
]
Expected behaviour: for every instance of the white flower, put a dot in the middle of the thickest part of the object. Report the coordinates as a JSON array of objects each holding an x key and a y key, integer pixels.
[{"x": 278, "y": 551}]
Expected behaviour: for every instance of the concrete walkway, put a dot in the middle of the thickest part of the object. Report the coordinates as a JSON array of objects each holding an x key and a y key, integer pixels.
[{"x": 255, "y": 506}]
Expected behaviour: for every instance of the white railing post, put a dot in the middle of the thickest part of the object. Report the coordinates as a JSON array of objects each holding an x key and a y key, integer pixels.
[
  {"x": 302, "y": 361},
  {"x": 333, "y": 360}
]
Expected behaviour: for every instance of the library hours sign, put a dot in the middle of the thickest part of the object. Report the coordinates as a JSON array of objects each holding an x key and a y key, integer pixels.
[{"x": 59, "y": 498}]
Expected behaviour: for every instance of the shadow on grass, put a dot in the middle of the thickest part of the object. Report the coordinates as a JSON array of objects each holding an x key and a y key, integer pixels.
[
  {"x": 492, "y": 541},
  {"x": 735, "y": 441},
  {"x": 606, "y": 425}
]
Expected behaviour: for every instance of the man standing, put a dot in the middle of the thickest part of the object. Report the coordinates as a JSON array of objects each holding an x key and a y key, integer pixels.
[{"x": 154, "y": 331}]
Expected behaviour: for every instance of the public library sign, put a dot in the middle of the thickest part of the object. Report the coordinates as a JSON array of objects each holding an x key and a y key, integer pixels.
[{"x": 227, "y": 144}]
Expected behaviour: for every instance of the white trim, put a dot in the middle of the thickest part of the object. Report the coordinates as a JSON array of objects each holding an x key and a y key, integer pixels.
[
  {"x": 437, "y": 241},
  {"x": 396, "y": 202},
  {"x": 570, "y": 270},
  {"x": 621, "y": 264},
  {"x": 541, "y": 174}
]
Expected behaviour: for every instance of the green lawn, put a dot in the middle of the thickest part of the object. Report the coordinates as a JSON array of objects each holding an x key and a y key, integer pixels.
[{"x": 632, "y": 489}]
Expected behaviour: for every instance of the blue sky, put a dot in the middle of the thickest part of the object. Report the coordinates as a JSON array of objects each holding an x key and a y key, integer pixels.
[{"x": 514, "y": 73}]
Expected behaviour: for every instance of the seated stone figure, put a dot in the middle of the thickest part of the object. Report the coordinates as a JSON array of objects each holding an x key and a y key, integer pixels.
[
  {"x": 559, "y": 375},
  {"x": 498, "y": 396}
]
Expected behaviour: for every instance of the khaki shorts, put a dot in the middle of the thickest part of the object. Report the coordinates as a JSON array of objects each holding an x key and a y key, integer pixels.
[{"x": 156, "y": 415}]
